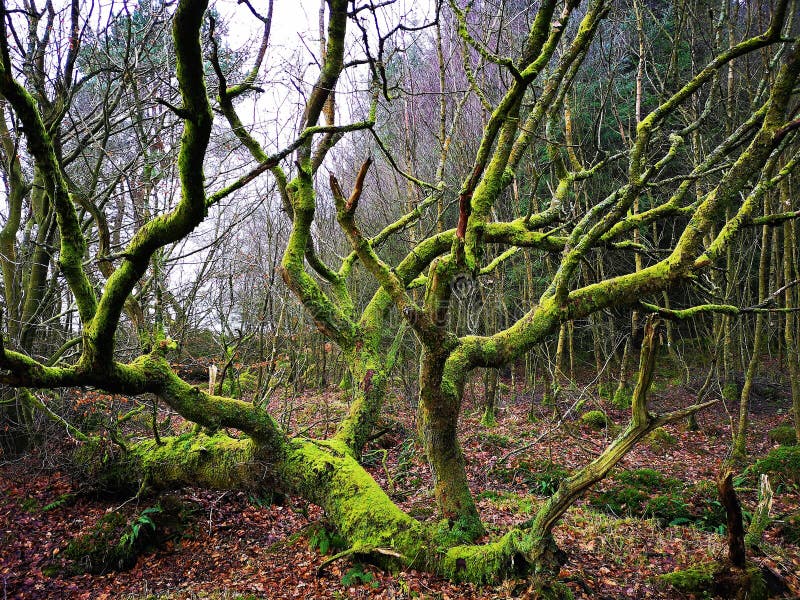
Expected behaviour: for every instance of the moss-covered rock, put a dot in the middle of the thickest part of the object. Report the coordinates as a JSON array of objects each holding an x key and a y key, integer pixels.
[
  {"x": 660, "y": 438},
  {"x": 781, "y": 464},
  {"x": 116, "y": 541},
  {"x": 696, "y": 579},
  {"x": 595, "y": 419},
  {"x": 100, "y": 549},
  {"x": 783, "y": 435},
  {"x": 721, "y": 580}
]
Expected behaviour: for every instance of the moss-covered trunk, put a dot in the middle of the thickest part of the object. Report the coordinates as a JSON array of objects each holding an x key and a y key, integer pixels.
[
  {"x": 439, "y": 407},
  {"x": 322, "y": 472},
  {"x": 369, "y": 373},
  {"x": 326, "y": 474}
]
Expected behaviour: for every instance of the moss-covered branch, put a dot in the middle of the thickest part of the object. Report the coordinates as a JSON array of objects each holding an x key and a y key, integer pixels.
[
  {"x": 429, "y": 331},
  {"x": 40, "y": 145},
  {"x": 191, "y": 208}
]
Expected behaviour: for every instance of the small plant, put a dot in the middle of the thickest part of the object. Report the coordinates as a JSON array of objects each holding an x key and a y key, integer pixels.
[
  {"x": 606, "y": 390},
  {"x": 595, "y": 419},
  {"x": 264, "y": 500},
  {"x": 669, "y": 509},
  {"x": 495, "y": 440},
  {"x": 62, "y": 500},
  {"x": 359, "y": 576},
  {"x": 546, "y": 477},
  {"x": 29, "y": 505},
  {"x": 135, "y": 527},
  {"x": 542, "y": 476},
  {"x": 99, "y": 550},
  {"x": 114, "y": 543},
  {"x": 325, "y": 541},
  {"x": 790, "y": 528}
]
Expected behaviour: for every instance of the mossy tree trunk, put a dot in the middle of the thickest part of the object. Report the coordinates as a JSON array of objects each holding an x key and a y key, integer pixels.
[
  {"x": 790, "y": 298},
  {"x": 438, "y": 415},
  {"x": 739, "y": 446}
]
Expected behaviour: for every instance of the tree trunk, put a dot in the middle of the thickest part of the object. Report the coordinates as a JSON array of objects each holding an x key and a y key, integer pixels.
[
  {"x": 490, "y": 390},
  {"x": 739, "y": 450},
  {"x": 790, "y": 296},
  {"x": 733, "y": 510},
  {"x": 439, "y": 407}
]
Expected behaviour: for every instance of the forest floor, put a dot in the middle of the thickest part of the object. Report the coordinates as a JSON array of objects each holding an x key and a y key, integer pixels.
[{"x": 618, "y": 540}]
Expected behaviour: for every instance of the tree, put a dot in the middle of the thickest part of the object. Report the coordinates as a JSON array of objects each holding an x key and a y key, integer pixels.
[{"x": 531, "y": 81}]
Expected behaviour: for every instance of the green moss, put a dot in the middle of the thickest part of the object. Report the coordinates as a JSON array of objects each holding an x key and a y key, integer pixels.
[
  {"x": 790, "y": 528},
  {"x": 782, "y": 463},
  {"x": 783, "y": 434},
  {"x": 720, "y": 580},
  {"x": 486, "y": 562},
  {"x": 358, "y": 509},
  {"x": 595, "y": 419},
  {"x": 217, "y": 461},
  {"x": 116, "y": 541},
  {"x": 696, "y": 579},
  {"x": 622, "y": 397},
  {"x": 660, "y": 439}
]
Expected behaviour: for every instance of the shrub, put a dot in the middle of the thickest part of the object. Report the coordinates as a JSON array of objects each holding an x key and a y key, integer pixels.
[
  {"x": 668, "y": 509},
  {"x": 641, "y": 492}
]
